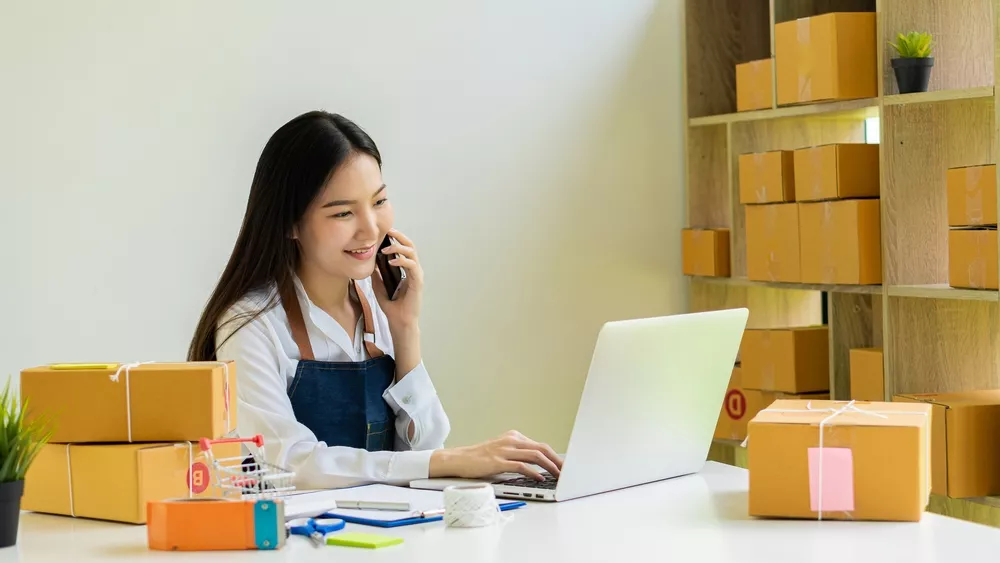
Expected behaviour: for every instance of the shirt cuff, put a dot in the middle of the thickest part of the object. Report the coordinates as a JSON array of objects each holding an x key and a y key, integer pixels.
[
  {"x": 408, "y": 466},
  {"x": 412, "y": 392}
]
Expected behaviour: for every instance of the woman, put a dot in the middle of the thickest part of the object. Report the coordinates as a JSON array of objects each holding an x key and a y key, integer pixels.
[{"x": 329, "y": 368}]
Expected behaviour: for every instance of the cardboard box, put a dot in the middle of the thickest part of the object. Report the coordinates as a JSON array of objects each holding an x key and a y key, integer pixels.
[
  {"x": 742, "y": 404},
  {"x": 153, "y": 402},
  {"x": 964, "y": 428},
  {"x": 870, "y": 466},
  {"x": 772, "y": 233},
  {"x": 839, "y": 171},
  {"x": 767, "y": 177},
  {"x": 972, "y": 196},
  {"x": 867, "y": 379},
  {"x": 754, "y": 85},
  {"x": 790, "y": 360},
  {"x": 114, "y": 481},
  {"x": 826, "y": 57},
  {"x": 841, "y": 242},
  {"x": 972, "y": 258},
  {"x": 705, "y": 252}
]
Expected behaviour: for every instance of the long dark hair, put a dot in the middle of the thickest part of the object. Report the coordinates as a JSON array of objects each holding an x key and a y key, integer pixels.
[{"x": 293, "y": 167}]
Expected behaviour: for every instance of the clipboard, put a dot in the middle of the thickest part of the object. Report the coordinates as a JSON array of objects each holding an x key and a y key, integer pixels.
[{"x": 408, "y": 520}]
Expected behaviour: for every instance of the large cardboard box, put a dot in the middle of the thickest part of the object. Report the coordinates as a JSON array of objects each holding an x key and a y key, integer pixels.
[
  {"x": 114, "y": 481},
  {"x": 742, "y": 404},
  {"x": 841, "y": 242},
  {"x": 790, "y": 360},
  {"x": 754, "y": 85},
  {"x": 767, "y": 177},
  {"x": 867, "y": 379},
  {"x": 965, "y": 426},
  {"x": 972, "y": 258},
  {"x": 826, "y": 57},
  {"x": 772, "y": 233},
  {"x": 705, "y": 252},
  {"x": 972, "y": 196},
  {"x": 866, "y": 461},
  {"x": 151, "y": 402},
  {"x": 838, "y": 171}
]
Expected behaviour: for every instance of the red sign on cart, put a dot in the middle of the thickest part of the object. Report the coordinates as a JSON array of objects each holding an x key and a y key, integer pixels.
[{"x": 197, "y": 478}]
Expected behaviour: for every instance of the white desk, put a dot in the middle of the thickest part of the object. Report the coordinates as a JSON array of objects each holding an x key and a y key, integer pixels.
[{"x": 695, "y": 518}]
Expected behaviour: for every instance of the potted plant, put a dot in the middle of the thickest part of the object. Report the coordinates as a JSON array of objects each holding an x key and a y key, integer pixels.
[
  {"x": 20, "y": 442},
  {"x": 913, "y": 66}
]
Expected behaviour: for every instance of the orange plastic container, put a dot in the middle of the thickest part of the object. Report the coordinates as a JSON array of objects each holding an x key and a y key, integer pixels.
[{"x": 215, "y": 524}]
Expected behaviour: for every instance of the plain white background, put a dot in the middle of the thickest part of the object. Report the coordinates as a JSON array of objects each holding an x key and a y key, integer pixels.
[{"x": 534, "y": 150}]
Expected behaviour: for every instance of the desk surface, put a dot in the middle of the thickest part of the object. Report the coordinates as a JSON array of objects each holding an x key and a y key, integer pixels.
[{"x": 697, "y": 517}]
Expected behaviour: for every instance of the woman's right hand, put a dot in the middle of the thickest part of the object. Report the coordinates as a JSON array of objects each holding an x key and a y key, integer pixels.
[{"x": 511, "y": 452}]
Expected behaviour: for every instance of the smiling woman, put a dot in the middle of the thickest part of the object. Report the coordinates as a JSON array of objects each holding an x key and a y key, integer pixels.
[{"x": 333, "y": 377}]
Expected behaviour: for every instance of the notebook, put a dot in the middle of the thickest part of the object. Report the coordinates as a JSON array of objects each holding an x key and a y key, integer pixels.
[{"x": 316, "y": 503}]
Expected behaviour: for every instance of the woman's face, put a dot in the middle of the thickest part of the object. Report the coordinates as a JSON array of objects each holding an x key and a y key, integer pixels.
[{"x": 340, "y": 232}]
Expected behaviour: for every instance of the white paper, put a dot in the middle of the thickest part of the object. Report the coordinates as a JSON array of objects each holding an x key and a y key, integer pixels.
[{"x": 314, "y": 503}]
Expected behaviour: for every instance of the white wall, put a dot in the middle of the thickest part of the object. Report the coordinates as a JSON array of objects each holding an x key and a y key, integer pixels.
[{"x": 534, "y": 149}]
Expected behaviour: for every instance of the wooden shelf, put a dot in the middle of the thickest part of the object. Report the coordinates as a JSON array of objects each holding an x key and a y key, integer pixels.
[
  {"x": 941, "y": 291},
  {"x": 743, "y": 282},
  {"x": 939, "y": 96},
  {"x": 850, "y": 109}
]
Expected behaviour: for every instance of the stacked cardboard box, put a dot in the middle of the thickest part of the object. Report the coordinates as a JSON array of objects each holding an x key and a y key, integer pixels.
[
  {"x": 705, "y": 252},
  {"x": 127, "y": 434},
  {"x": 867, "y": 380},
  {"x": 767, "y": 190},
  {"x": 755, "y": 85},
  {"x": 972, "y": 218}
]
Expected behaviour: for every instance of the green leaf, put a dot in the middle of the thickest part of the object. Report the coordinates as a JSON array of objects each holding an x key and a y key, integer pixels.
[
  {"x": 913, "y": 44},
  {"x": 21, "y": 438}
]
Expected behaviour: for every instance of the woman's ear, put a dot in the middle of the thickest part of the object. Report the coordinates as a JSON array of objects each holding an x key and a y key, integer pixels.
[{"x": 295, "y": 233}]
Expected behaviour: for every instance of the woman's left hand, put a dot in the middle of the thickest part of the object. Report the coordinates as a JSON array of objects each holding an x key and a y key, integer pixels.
[{"x": 404, "y": 311}]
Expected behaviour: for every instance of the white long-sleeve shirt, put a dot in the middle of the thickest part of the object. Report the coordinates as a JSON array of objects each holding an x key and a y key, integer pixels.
[{"x": 266, "y": 359}]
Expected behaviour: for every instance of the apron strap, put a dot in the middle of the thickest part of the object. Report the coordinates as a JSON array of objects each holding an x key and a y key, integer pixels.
[{"x": 290, "y": 302}]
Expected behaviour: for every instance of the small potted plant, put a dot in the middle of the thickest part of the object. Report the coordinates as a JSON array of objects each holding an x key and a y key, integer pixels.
[
  {"x": 20, "y": 442},
  {"x": 913, "y": 66}
]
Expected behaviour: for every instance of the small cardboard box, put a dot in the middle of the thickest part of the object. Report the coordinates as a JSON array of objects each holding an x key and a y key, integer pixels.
[
  {"x": 767, "y": 177},
  {"x": 841, "y": 242},
  {"x": 972, "y": 258},
  {"x": 965, "y": 426},
  {"x": 826, "y": 57},
  {"x": 754, "y": 85},
  {"x": 150, "y": 402},
  {"x": 972, "y": 196},
  {"x": 839, "y": 171},
  {"x": 790, "y": 360},
  {"x": 705, "y": 252},
  {"x": 742, "y": 404},
  {"x": 772, "y": 233},
  {"x": 114, "y": 481},
  {"x": 867, "y": 380},
  {"x": 869, "y": 465}
]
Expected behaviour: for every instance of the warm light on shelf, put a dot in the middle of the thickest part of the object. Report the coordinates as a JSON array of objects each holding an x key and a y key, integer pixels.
[{"x": 872, "y": 130}]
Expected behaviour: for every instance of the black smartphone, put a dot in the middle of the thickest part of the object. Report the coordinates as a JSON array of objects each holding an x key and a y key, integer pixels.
[{"x": 393, "y": 276}]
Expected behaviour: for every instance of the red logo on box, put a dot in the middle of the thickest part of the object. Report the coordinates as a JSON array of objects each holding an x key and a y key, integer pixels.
[
  {"x": 197, "y": 478},
  {"x": 736, "y": 404}
]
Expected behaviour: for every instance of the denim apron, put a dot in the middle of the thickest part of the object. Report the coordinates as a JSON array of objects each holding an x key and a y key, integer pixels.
[{"x": 341, "y": 402}]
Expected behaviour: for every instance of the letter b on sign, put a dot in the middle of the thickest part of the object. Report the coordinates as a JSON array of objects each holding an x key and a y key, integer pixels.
[{"x": 736, "y": 404}]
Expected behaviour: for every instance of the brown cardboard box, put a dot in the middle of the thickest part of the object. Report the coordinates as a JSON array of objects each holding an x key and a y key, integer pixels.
[
  {"x": 839, "y": 171},
  {"x": 791, "y": 360},
  {"x": 754, "y": 85},
  {"x": 159, "y": 401},
  {"x": 841, "y": 242},
  {"x": 742, "y": 404},
  {"x": 972, "y": 258},
  {"x": 867, "y": 380},
  {"x": 964, "y": 429},
  {"x": 767, "y": 177},
  {"x": 874, "y": 467},
  {"x": 705, "y": 252},
  {"x": 114, "y": 481},
  {"x": 772, "y": 233},
  {"x": 972, "y": 196},
  {"x": 826, "y": 57}
]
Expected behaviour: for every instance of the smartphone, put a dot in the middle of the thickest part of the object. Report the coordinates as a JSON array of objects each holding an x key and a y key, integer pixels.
[{"x": 393, "y": 276}]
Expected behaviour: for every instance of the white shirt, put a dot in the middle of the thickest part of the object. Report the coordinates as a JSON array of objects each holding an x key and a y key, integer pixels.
[{"x": 266, "y": 358}]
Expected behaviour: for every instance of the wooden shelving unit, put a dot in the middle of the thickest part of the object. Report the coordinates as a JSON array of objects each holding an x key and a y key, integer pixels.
[{"x": 935, "y": 338}]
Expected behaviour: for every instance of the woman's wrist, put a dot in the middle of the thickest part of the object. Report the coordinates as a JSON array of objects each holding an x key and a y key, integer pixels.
[
  {"x": 406, "y": 347},
  {"x": 442, "y": 463}
]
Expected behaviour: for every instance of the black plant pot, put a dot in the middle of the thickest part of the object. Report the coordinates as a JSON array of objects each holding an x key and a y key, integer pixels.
[
  {"x": 10, "y": 511},
  {"x": 912, "y": 75}
]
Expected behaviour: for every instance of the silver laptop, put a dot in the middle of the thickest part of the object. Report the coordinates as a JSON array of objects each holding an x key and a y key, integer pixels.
[{"x": 649, "y": 406}]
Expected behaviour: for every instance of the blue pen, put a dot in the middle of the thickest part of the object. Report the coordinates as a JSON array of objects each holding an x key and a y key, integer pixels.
[{"x": 315, "y": 529}]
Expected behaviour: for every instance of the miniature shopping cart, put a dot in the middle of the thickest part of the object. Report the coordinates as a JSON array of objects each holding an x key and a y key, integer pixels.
[{"x": 247, "y": 478}]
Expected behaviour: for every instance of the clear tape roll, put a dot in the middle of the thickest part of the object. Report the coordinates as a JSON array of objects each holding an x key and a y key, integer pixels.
[{"x": 471, "y": 506}]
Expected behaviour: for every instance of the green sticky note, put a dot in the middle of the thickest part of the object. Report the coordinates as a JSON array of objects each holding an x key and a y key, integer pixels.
[{"x": 358, "y": 539}]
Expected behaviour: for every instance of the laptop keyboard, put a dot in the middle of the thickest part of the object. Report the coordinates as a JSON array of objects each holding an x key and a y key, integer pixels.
[{"x": 549, "y": 483}]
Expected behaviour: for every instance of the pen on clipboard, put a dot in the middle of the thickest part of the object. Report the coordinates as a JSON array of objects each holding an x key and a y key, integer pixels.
[{"x": 373, "y": 505}]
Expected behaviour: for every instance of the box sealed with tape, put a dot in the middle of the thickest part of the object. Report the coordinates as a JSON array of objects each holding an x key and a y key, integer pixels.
[{"x": 836, "y": 460}]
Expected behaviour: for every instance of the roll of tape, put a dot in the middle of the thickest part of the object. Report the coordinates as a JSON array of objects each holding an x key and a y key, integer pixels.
[{"x": 470, "y": 506}]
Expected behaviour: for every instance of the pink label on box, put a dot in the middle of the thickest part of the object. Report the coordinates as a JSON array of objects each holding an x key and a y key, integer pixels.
[{"x": 837, "y": 478}]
